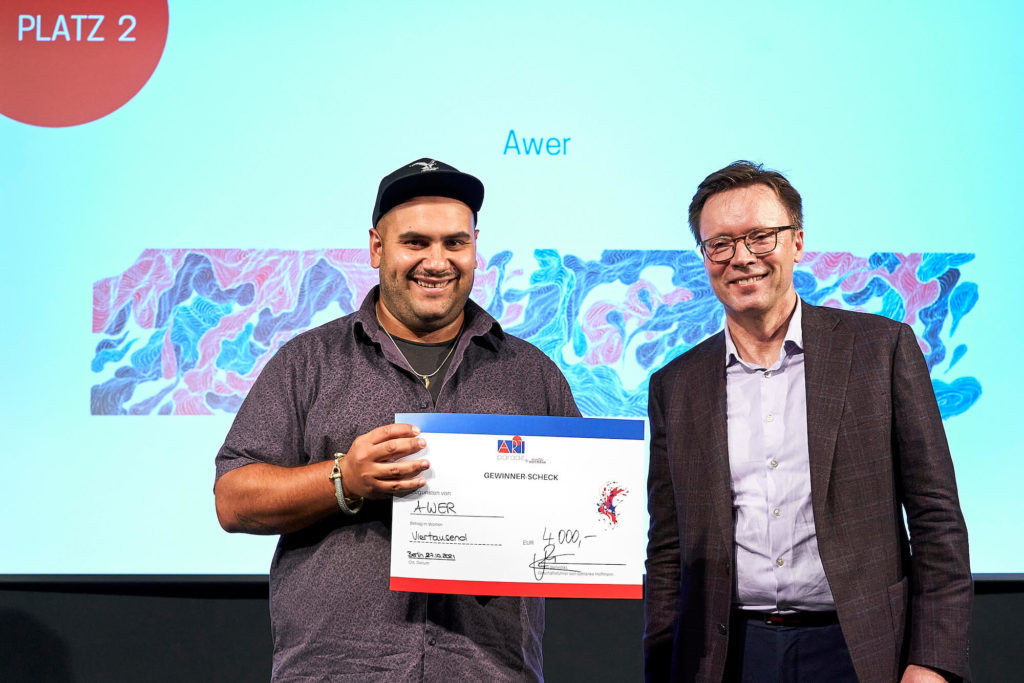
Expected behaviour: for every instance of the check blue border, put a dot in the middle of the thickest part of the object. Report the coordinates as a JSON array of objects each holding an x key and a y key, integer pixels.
[{"x": 519, "y": 425}]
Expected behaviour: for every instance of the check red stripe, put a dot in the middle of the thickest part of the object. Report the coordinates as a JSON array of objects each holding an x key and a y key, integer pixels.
[{"x": 528, "y": 590}]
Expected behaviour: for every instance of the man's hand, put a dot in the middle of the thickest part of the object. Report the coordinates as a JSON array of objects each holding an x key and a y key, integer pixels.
[
  {"x": 270, "y": 499},
  {"x": 921, "y": 674},
  {"x": 369, "y": 469}
]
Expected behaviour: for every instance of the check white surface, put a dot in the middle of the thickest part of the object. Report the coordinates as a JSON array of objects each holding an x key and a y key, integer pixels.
[{"x": 563, "y": 517}]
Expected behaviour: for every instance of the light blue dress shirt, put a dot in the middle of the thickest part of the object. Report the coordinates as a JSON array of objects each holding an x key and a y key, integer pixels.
[{"x": 777, "y": 563}]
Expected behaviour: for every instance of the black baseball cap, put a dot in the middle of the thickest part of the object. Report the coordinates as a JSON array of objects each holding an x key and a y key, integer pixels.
[{"x": 427, "y": 178}]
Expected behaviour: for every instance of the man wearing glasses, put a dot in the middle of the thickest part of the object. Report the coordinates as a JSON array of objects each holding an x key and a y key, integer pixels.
[{"x": 785, "y": 452}]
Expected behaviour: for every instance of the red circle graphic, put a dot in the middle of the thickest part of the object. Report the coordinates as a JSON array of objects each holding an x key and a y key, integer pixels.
[{"x": 66, "y": 62}]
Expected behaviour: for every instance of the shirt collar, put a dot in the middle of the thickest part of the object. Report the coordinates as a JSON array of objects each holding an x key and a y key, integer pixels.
[{"x": 793, "y": 342}]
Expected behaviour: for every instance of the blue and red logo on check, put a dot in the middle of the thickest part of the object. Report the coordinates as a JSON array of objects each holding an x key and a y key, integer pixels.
[
  {"x": 608, "y": 502},
  {"x": 514, "y": 445}
]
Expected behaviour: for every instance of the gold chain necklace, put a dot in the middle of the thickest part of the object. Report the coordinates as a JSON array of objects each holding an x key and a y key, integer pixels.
[{"x": 425, "y": 378}]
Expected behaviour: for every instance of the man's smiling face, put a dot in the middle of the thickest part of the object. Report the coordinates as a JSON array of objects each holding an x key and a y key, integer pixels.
[
  {"x": 748, "y": 285},
  {"x": 426, "y": 252}
]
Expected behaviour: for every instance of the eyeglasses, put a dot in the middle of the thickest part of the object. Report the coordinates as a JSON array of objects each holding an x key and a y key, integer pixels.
[{"x": 758, "y": 241}]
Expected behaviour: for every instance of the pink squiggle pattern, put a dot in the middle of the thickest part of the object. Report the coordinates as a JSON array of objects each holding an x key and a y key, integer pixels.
[
  {"x": 272, "y": 279},
  {"x": 855, "y": 273},
  {"x": 605, "y": 341},
  {"x": 275, "y": 273},
  {"x": 187, "y": 331}
]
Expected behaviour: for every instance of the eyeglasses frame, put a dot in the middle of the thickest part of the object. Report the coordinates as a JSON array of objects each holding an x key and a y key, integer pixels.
[{"x": 775, "y": 229}]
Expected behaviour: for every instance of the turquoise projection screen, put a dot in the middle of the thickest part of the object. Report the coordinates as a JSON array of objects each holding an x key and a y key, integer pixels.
[{"x": 186, "y": 186}]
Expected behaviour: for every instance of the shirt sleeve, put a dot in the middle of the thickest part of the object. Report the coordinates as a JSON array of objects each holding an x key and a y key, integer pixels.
[
  {"x": 940, "y": 577},
  {"x": 661, "y": 592},
  {"x": 566, "y": 403},
  {"x": 270, "y": 424}
]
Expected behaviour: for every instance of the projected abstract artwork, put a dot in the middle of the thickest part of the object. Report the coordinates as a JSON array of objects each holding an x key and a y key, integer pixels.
[{"x": 186, "y": 332}]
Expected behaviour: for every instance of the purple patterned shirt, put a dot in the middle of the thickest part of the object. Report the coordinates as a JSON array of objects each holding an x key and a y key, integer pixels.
[{"x": 333, "y": 615}]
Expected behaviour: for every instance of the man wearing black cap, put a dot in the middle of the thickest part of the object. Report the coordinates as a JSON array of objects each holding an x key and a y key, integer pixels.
[{"x": 311, "y": 453}]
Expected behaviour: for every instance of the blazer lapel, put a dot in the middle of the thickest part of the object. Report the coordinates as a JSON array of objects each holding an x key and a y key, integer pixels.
[
  {"x": 710, "y": 408},
  {"x": 828, "y": 353}
]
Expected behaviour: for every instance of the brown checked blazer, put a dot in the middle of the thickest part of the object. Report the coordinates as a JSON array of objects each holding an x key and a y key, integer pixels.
[{"x": 877, "y": 450}]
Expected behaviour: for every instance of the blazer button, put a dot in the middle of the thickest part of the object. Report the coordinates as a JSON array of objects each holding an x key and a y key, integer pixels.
[{"x": 722, "y": 629}]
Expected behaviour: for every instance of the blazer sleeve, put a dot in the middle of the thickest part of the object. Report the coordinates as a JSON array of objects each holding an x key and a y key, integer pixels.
[
  {"x": 941, "y": 589},
  {"x": 661, "y": 594}
]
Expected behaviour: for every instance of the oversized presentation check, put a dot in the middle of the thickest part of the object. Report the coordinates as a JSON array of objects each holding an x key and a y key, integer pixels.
[{"x": 523, "y": 505}]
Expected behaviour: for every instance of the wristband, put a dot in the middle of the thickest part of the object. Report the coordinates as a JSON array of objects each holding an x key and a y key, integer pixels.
[{"x": 349, "y": 506}]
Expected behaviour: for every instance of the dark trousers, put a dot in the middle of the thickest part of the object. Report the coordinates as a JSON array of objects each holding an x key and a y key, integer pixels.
[{"x": 766, "y": 653}]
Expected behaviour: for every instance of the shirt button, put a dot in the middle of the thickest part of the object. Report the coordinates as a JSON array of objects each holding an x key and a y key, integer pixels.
[
  {"x": 777, "y": 512},
  {"x": 770, "y": 418},
  {"x": 780, "y": 562},
  {"x": 773, "y": 463},
  {"x": 431, "y": 642},
  {"x": 722, "y": 629},
  {"x": 767, "y": 374}
]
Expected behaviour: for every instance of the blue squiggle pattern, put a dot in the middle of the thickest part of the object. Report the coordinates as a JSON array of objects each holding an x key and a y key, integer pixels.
[{"x": 193, "y": 337}]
